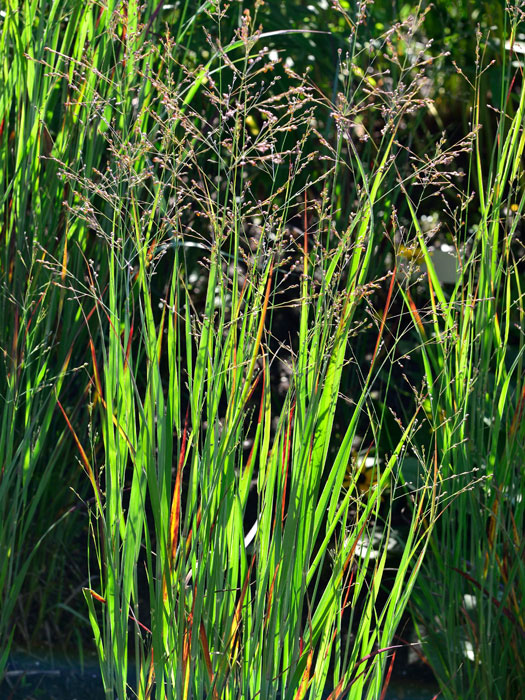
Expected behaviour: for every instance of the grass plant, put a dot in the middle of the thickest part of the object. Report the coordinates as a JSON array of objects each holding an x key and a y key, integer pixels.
[
  {"x": 474, "y": 629},
  {"x": 221, "y": 606},
  {"x": 204, "y": 307}
]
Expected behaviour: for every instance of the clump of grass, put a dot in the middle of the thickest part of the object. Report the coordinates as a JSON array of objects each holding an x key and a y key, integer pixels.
[
  {"x": 473, "y": 627},
  {"x": 35, "y": 351},
  {"x": 218, "y": 249},
  {"x": 217, "y": 597}
]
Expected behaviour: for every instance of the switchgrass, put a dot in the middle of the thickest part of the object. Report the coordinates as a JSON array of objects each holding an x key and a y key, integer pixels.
[
  {"x": 56, "y": 59},
  {"x": 217, "y": 598},
  {"x": 35, "y": 355},
  {"x": 203, "y": 307},
  {"x": 474, "y": 628}
]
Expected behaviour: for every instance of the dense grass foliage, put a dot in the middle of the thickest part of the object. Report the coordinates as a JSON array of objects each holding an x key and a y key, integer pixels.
[{"x": 262, "y": 340}]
